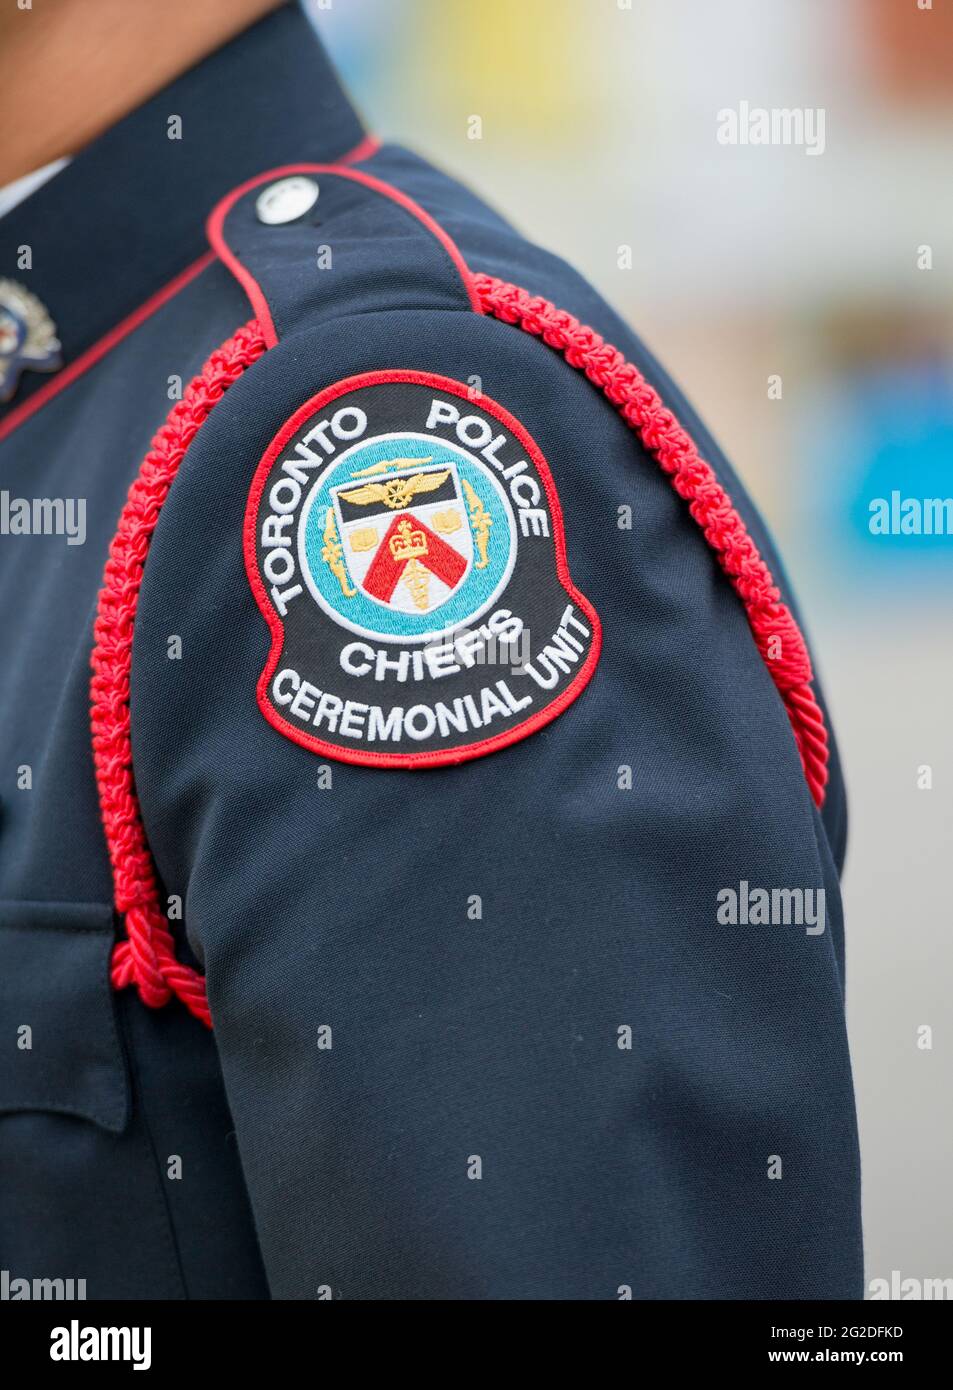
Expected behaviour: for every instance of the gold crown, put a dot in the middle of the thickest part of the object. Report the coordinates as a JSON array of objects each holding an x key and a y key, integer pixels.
[{"x": 408, "y": 544}]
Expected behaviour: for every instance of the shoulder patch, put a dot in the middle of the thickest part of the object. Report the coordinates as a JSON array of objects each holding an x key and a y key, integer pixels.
[{"x": 404, "y": 542}]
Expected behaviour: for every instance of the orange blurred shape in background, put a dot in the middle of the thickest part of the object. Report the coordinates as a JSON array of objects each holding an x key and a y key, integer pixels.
[{"x": 911, "y": 48}]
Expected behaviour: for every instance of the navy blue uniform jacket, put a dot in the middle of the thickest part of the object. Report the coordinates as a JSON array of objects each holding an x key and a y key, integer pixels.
[{"x": 496, "y": 1012}]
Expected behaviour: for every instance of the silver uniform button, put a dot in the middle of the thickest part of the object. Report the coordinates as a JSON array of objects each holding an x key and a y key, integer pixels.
[{"x": 286, "y": 200}]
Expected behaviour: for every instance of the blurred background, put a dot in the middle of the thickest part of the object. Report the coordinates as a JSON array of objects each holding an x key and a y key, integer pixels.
[{"x": 832, "y": 272}]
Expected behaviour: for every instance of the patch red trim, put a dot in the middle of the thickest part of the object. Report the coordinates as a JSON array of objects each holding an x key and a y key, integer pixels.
[
  {"x": 216, "y": 234},
  {"x": 438, "y": 757},
  {"x": 710, "y": 505},
  {"x": 146, "y": 957},
  {"x": 103, "y": 345}
]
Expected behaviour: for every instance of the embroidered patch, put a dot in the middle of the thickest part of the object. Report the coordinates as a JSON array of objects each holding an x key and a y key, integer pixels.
[{"x": 405, "y": 545}]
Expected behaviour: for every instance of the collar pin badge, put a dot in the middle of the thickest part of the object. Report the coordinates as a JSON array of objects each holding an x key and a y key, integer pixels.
[{"x": 28, "y": 340}]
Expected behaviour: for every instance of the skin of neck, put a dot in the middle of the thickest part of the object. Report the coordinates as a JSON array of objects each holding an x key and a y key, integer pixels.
[{"x": 72, "y": 68}]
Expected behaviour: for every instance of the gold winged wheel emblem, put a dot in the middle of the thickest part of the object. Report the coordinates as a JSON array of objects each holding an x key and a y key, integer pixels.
[{"x": 395, "y": 492}]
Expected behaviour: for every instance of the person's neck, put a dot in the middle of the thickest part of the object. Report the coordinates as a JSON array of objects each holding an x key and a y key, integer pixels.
[{"x": 71, "y": 70}]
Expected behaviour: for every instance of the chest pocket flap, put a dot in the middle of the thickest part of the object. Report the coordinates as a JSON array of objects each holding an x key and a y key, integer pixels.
[{"x": 59, "y": 1045}]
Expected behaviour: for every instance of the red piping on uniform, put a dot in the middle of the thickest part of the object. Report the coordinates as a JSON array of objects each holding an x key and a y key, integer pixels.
[
  {"x": 776, "y": 634},
  {"x": 438, "y": 757},
  {"x": 146, "y": 956},
  {"x": 216, "y": 234},
  {"x": 367, "y": 147},
  {"x": 105, "y": 344}
]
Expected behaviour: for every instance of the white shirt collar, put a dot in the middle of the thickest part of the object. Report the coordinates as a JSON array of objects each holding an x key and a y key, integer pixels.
[{"x": 16, "y": 192}]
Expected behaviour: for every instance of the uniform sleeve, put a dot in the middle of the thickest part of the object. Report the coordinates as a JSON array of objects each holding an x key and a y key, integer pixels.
[{"x": 469, "y": 773}]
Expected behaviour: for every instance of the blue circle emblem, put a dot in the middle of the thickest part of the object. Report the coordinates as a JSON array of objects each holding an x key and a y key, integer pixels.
[{"x": 406, "y": 537}]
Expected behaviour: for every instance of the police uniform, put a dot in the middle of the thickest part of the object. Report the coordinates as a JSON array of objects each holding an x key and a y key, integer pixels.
[{"x": 400, "y": 924}]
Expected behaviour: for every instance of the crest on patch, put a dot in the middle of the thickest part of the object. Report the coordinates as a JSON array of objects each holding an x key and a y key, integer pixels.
[
  {"x": 28, "y": 340},
  {"x": 405, "y": 541},
  {"x": 405, "y": 545}
]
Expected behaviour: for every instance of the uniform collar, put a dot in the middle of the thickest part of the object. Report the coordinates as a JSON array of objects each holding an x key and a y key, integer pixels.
[
  {"x": 20, "y": 189},
  {"x": 127, "y": 215}
]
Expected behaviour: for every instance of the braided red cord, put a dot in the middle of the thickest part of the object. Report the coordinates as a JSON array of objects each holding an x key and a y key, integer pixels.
[
  {"x": 146, "y": 957},
  {"x": 775, "y": 631}
]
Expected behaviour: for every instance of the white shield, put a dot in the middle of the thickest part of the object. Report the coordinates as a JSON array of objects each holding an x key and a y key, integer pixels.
[{"x": 382, "y": 508}]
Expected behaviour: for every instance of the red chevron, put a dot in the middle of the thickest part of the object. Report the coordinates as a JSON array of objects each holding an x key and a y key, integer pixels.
[{"x": 441, "y": 559}]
